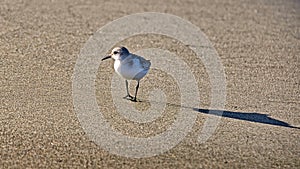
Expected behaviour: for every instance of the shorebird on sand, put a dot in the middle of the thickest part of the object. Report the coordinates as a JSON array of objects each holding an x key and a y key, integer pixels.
[{"x": 130, "y": 67}]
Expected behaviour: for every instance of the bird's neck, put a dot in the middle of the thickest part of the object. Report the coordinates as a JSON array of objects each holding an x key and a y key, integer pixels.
[{"x": 123, "y": 57}]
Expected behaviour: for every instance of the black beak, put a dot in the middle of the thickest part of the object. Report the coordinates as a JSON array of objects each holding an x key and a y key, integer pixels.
[{"x": 106, "y": 57}]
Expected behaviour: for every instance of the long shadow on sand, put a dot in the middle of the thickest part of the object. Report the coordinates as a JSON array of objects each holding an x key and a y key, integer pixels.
[{"x": 253, "y": 117}]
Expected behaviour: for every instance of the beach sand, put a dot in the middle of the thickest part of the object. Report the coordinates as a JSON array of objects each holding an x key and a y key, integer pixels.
[{"x": 258, "y": 43}]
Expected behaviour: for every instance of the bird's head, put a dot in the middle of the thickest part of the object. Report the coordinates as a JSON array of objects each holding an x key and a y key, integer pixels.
[{"x": 117, "y": 53}]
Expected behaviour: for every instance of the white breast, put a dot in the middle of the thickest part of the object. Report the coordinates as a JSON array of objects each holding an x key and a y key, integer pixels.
[{"x": 130, "y": 69}]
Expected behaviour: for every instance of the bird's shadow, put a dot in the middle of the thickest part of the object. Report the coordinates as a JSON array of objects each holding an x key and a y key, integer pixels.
[
  {"x": 246, "y": 116},
  {"x": 252, "y": 117}
]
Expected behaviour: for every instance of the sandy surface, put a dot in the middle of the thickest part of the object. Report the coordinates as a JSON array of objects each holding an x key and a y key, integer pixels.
[{"x": 258, "y": 43}]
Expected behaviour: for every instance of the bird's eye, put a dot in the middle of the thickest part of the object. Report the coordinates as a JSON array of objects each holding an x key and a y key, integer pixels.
[{"x": 115, "y": 52}]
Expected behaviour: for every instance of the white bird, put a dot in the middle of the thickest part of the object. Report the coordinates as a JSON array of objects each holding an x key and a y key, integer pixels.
[{"x": 130, "y": 67}]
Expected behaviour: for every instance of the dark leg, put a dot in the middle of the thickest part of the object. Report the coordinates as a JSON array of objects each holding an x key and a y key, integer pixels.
[
  {"x": 128, "y": 95},
  {"x": 136, "y": 90}
]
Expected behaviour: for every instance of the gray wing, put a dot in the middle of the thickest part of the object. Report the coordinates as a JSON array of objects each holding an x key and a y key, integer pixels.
[{"x": 145, "y": 63}]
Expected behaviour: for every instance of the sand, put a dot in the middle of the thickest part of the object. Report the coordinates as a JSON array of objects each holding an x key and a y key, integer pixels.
[{"x": 257, "y": 42}]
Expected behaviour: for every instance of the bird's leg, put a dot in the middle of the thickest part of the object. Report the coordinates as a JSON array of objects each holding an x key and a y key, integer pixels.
[
  {"x": 128, "y": 95},
  {"x": 136, "y": 90}
]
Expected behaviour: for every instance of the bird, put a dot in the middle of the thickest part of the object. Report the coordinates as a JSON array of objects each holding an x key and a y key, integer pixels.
[{"x": 130, "y": 67}]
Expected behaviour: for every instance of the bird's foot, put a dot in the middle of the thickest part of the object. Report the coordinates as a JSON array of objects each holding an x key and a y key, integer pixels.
[
  {"x": 131, "y": 98},
  {"x": 134, "y": 99},
  {"x": 128, "y": 97}
]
